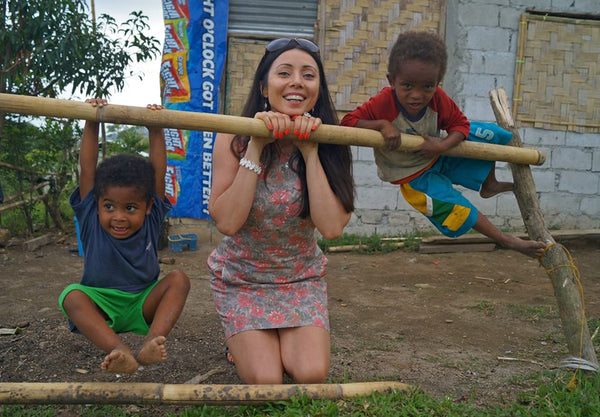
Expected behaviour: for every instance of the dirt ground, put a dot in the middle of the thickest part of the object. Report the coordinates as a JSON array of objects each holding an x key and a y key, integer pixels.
[{"x": 438, "y": 321}]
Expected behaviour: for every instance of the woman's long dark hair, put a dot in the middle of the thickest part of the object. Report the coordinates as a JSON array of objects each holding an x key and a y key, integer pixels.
[{"x": 335, "y": 159}]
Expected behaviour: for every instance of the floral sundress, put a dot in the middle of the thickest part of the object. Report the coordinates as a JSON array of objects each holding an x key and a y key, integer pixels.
[{"x": 269, "y": 275}]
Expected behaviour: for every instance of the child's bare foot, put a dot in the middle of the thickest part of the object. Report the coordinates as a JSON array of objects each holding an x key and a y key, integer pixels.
[
  {"x": 153, "y": 351},
  {"x": 531, "y": 248},
  {"x": 490, "y": 189},
  {"x": 120, "y": 361}
]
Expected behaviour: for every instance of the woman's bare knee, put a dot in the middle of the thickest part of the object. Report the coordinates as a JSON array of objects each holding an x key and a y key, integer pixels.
[
  {"x": 260, "y": 376},
  {"x": 314, "y": 372},
  {"x": 305, "y": 353},
  {"x": 256, "y": 355}
]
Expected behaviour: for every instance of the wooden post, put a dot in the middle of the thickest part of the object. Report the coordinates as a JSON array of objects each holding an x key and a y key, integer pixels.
[
  {"x": 140, "y": 116},
  {"x": 153, "y": 393},
  {"x": 556, "y": 260}
]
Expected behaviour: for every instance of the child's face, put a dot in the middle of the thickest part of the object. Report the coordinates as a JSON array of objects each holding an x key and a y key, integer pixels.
[
  {"x": 293, "y": 83},
  {"x": 414, "y": 84},
  {"x": 122, "y": 211}
]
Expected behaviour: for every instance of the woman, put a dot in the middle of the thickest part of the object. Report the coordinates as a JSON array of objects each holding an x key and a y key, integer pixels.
[{"x": 268, "y": 196}]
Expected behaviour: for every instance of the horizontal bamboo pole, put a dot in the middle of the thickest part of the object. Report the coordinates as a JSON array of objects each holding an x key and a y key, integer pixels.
[
  {"x": 153, "y": 393},
  {"x": 4, "y": 207},
  {"x": 209, "y": 122}
]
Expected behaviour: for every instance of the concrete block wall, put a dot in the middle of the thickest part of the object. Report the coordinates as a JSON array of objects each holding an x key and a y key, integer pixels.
[{"x": 481, "y": 37}]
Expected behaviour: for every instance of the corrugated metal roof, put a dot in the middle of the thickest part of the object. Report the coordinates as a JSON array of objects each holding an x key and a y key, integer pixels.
[{"x": 273, "y": 17}]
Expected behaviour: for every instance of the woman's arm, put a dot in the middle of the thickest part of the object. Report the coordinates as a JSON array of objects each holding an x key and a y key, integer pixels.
[
  {"x": 326, "y": 210},
  {"x": 233, "y": 186}
]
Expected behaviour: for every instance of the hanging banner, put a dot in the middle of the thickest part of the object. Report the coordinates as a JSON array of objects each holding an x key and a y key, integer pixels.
[{"x": 193, "y": 59}]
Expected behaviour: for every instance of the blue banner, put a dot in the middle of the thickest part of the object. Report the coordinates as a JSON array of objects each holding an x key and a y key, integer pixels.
[{"x": 194, "y": 54}]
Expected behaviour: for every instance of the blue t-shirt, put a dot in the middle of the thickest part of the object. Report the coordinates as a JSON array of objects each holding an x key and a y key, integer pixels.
[{"x": 129, "y": 264}]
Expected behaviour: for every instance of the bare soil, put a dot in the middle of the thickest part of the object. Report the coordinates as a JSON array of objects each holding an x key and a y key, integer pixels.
[{"x": 442, "y": 322}]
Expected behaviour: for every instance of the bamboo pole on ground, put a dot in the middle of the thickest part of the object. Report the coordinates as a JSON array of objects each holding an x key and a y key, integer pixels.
[
  {"x": 556, "y": 261},
  {"x": 140, "y": 116},
  {"x": 153, "y": 393}
]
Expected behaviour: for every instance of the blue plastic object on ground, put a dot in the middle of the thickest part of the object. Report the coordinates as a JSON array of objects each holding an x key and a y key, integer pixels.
[{"x": 180, "y": 242}]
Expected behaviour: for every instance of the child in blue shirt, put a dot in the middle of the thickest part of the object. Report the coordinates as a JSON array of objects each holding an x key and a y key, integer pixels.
[{"x": 120, "y": 206}]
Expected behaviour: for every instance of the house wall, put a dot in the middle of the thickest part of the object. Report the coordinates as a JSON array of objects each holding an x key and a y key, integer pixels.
[
  {"x": 481, "y": 37},
  {"x": 482, "y": 40}
]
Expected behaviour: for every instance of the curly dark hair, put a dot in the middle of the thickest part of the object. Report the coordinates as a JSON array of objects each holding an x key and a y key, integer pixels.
[
  {"x": 335, "y": 159},
  {"x": 125, "y": 170},
  {"x": 424, "y": 46}
]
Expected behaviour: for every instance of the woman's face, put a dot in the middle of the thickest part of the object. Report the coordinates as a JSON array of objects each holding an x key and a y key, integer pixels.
[{"x": 293, "y": 83}]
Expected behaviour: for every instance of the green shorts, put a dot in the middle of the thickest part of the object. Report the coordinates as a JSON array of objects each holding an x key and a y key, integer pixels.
[{"x": 124, "y": 309}]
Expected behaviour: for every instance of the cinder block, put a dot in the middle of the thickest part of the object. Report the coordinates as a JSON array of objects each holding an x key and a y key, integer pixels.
[
  {"x": 578, "y": 182},
  {"x": 4, "y": 237},
  {"x": 37, "y": 242},
  {"x": 572, "y": 158}
]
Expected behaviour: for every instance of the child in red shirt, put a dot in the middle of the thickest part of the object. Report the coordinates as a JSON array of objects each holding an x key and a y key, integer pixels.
[{"x": 414, "y": 103}]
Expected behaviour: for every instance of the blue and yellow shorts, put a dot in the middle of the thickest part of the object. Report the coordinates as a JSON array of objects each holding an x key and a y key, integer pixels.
[{"x": 433, "y": 194}]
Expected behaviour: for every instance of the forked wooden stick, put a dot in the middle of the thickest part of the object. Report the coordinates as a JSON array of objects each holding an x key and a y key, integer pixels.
[
  {"x": 177, "y": 119},
  {"x": 556, "y": 260}
]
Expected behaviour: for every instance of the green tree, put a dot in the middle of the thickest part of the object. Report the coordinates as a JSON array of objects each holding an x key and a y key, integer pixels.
[
  {"x": 51, "y": 48},
  {"x": 48, "y": 152},
  {"x": 130, "y": 139}
]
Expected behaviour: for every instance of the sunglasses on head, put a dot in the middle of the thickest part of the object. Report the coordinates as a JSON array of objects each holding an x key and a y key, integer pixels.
[{"x": 277, "y": 44}]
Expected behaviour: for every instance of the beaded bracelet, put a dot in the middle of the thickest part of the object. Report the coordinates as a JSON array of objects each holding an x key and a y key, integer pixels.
[{"x": 251, "y": 166}]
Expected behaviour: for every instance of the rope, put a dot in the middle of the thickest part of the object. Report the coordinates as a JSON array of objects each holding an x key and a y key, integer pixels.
[{"x": 573, "y": 362}]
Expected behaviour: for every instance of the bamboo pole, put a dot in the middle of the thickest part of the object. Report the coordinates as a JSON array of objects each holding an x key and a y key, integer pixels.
[
  {"x": 22, "y": 193},
  {"x": 16, "y": 168},
  {"x": 522, "y": 37},
  {"x": 140, "y": 116},
  {"x": 5, "y": 207},
  {"x": 154, "y": 393},
  {"x": 556, "y": 261}
]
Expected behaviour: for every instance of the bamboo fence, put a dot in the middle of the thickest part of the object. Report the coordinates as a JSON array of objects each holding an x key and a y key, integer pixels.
[{"x": 556, "y": 73}]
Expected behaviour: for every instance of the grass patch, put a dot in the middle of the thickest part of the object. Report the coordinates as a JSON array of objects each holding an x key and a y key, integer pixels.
[
  {"x": 594, "y": 327},
  {"x": 534, "y": 313},
  {"x": 486, "y": 307},
  {"x": 550, "y": 397},
  {"x": 64, "y": 410},
  {"x": 370, "y": 244}
]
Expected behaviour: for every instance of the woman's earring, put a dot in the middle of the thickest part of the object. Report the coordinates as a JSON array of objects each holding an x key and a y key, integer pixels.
[{"x": 266, "y": 104}]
